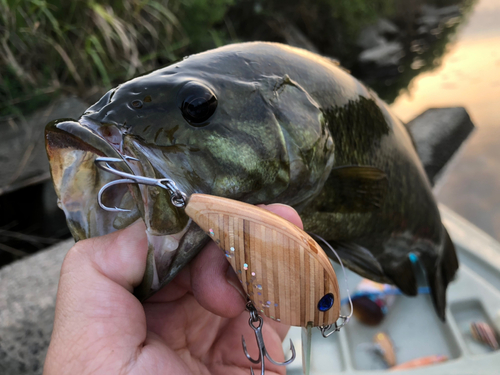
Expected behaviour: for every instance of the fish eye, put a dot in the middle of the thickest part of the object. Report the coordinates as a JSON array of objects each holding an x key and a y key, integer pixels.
[
  {"x": 197, "y": 103},
  {"x": 326, "y": 302}
]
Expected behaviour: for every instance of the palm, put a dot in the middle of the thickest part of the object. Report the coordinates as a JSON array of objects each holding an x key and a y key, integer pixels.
[{"x": 203, "y": 341}]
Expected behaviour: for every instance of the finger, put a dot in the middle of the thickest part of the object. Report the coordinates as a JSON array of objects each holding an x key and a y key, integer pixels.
[
  {"x": 286, "y": 212},
  {"x": 95, "y": 310},
  {"x": 215, "y": 284},
  {"x": 121, "y": 256}
]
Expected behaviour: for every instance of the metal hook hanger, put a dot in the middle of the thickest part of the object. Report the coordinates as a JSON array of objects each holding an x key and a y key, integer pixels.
[
  {"x": 256, "y": 318},
  {"x": 327, "y": 330},
  {"x": 178, "y": 198}
]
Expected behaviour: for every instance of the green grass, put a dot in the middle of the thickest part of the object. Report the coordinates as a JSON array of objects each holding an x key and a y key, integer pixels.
[
  {"x": 78, "y": 45},
  {"x": 85, "y": 47}
]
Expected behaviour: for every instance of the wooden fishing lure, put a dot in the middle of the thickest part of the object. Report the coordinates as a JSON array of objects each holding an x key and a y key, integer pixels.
[
  {"x": 284, "y": 272},
  {"x": 385, "y": 348}
]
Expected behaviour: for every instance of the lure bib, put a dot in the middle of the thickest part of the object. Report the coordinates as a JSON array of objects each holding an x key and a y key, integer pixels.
[{"x": 284, "y": 272}]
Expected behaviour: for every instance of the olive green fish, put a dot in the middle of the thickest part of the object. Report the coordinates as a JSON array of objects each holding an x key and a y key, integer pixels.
[{"x": 260, "y": 123}]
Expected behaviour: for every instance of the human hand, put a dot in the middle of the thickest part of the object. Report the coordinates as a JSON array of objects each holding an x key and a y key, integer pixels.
[{"x": 192, "y": 326}]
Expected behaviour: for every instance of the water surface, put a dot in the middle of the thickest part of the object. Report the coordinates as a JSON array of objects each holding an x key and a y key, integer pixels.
[{"x": 469, "y": 76}]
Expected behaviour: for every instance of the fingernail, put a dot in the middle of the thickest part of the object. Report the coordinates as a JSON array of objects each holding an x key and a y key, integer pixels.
[{"x": 232, "y": 279}]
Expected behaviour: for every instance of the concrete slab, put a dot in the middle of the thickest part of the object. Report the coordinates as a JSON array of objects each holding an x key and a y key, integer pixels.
[{"x": 27, "y": 301}]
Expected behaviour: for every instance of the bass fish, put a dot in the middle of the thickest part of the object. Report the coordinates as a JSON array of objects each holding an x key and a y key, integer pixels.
[{"x": 259, "y": 123}]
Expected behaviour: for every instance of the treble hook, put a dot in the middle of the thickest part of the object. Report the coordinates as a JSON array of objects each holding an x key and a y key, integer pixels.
[
  {"x": 178, "y": 198},
  {"x": 254, "y": 318}
]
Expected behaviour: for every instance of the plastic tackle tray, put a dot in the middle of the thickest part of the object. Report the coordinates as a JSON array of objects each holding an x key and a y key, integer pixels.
[{"x": 412, "y": 324}]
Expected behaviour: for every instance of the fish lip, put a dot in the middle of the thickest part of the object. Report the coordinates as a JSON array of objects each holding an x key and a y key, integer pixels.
[
  {"x": 116, "y": 131},
  {"x": 85, "y": 137},
  {"x": 77, "y": 135},
  {"x": 187, "y": 240}
]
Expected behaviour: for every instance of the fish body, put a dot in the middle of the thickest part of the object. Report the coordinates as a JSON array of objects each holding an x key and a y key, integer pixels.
[{"x": 260, "y": 123}]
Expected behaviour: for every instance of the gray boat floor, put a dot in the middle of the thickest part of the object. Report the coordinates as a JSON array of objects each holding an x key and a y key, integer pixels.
[{"x": 412, "y": 324}]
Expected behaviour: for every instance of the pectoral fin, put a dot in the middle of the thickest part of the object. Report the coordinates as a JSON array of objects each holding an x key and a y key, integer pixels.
[
  {"x": 356, "y": 189},
  {"x": 358, "y": 259},
  {"x": 440, "y": 273}
]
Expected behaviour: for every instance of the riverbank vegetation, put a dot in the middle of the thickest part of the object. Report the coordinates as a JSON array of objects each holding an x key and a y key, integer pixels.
[{"x": 84, "y": 47}]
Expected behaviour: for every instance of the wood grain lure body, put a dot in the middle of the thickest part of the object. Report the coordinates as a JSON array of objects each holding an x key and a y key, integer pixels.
[{"x": 284, "y": 272}]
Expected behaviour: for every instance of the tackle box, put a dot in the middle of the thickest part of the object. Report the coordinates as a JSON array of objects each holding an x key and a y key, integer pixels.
[{"x": 412, "y": 324}]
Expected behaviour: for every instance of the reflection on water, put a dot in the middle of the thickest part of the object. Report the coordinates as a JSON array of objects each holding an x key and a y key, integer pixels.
[
  {"x": 469, "y": 76},
  {"x": 384, "y": 43},
  {"x": 413, "y": 41}
]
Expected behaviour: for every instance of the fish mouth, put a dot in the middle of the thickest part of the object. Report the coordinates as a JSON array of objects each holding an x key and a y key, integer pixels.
[{"x": 173, "y": 239}]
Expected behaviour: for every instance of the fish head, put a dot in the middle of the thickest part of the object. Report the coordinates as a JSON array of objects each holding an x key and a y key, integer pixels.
[{"x": 219, "y": 128}]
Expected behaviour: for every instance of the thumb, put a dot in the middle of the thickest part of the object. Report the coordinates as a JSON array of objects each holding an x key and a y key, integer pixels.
[{"x": 96, "y": 315}]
